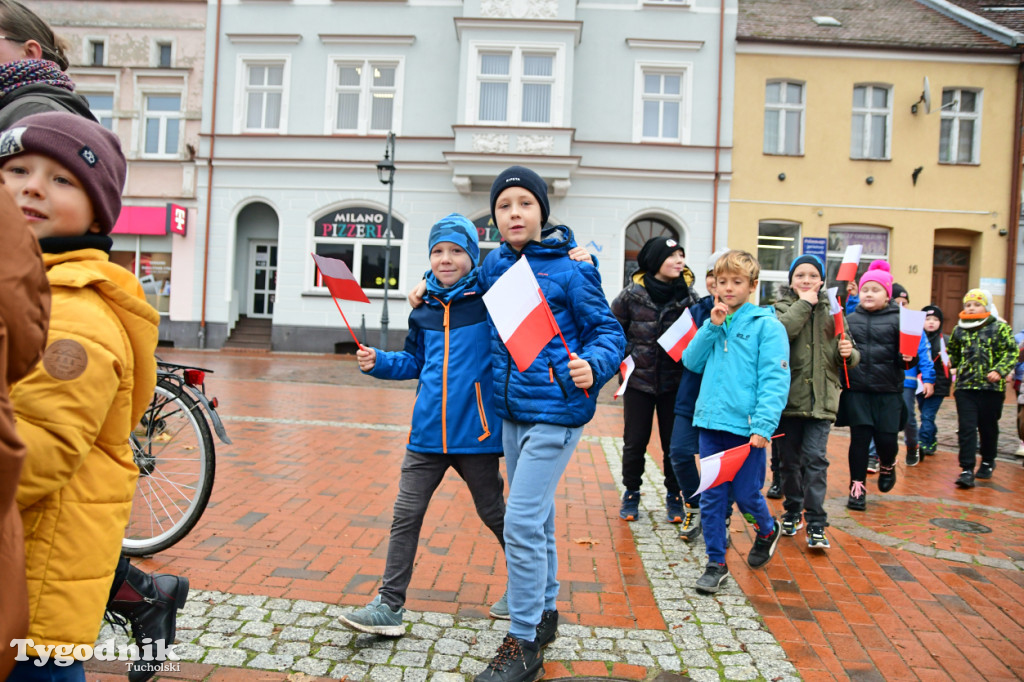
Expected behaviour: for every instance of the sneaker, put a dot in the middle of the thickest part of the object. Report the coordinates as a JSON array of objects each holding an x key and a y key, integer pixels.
[
  {"x": 713, "y": 576},
  {"x": 872, "y": 465},
  {"x": 691, "y": 524},
  {"x": 630, "y": 510},
  {"x": 764, "y": 547},
  {"x": 775, "y": 489},
  {"x": 673, "y": 508},
  {"x": 728, "y": 539},
  {"x": 500, "y": 608},
  {"x": 858, "y": 497},
  {"x": 966, "y": 479},
  {"x": 912, "y": 457},
  {"x": 376, "y": 618},
  {"x": 816, "y": 537},
  {"x": 1020, "y": 449},
  {"x": 985, "y": 470},
  {"x": 516, "y": 661},
  {"x": 791, "y": 523},
  {"x": 886, "y": 478},
  {"x": 547, "y": 629}
]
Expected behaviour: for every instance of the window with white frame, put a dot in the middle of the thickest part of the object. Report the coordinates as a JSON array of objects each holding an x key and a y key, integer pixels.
[
  {"x": 872, "y": 122},
  {"x": 164, "y": 54},
  {"x": 960, "y": 127},
  {"x": 357, "y": 235},
  {"x": 162, "y": 118},
  {"x": 517, "y": 86},
  {"x": 263, "y": 97},
  {"x": 661, "y": 103},
  {"x": 96, "y": 52},
  {"x": 784, "y": 118},
  {"x": 365, "y": 96},
  {"x": 778, "y": 243},
  {"x": 101, "y": 104}
]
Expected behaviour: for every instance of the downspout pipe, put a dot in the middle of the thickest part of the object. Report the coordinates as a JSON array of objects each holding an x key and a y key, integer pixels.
[
  {"x": 1015, "y": 189},
  {"x": 209, "y": 179},
  {"x": 718, "y": 127}
]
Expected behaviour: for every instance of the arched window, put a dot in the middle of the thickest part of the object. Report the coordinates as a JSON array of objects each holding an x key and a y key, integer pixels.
[{"x": 637, "y": 235}]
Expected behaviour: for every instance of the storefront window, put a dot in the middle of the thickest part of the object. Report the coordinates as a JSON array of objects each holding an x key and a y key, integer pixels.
[
  {"x": 487, "y": 234},
  {"x": 875, "y": 241},
  {"x": 154, "y": 272},
  {"x": 777, "y": 245},
  {"x": 358, "y": 236}
]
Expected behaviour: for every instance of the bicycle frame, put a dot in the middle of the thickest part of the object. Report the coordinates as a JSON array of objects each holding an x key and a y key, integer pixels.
[{"x": 195, "y": 389}]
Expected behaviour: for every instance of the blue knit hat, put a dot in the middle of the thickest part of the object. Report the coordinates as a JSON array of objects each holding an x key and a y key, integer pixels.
[
  {"x": 457, "y": 229},
  {"x": 806, "y": 258},
  {"x": 520, "y": 176}
]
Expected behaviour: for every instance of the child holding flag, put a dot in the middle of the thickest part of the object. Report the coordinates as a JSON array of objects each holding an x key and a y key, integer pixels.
[
  {"x": 983, "y": 351},
  {"x": 543, "y": 400},
  {"x": 646, "y": 308},
  {"x": 929, "y": 404},
  {"x": 744, "y": 355},
  {"x": 819, "y": 354},
  {"x": 453, "y": 422},
  {"x": 919, "y": 381}
]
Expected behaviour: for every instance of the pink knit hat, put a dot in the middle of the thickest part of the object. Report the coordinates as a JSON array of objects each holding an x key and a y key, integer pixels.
[{"x": 878, "y": 272}]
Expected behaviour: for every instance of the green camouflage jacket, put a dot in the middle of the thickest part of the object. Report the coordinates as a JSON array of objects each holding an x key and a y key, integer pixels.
[{"x": 979, "y": 350}]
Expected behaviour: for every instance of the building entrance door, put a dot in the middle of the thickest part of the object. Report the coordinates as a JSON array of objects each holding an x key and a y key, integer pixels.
[
  {"x": 950, "y": 270},
  {"x": 262, "y": 278}
]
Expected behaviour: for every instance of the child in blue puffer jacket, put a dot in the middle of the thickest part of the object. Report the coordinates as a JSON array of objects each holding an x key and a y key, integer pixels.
[{"x": 453, "y": 421}]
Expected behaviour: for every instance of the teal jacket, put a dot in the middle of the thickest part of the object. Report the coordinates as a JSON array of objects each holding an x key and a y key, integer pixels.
[{"x": 746, "y": 372}]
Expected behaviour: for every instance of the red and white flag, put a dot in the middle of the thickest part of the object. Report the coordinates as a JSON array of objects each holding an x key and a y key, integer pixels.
[
  {"x": 835, "y": 308},
  {"x": 920, "y": 385},
  {"x": 626, "y": 368},
  {"x": 338, "y": 279},
  {"x": 943, "y": 355},
  {"x": 911, "y": 326},
  {"x": 521, "y": 314},
  {"x": 851, "y": 259},
  {"x": 677, "y": 337},
  {"x": 721, "y": 467}
]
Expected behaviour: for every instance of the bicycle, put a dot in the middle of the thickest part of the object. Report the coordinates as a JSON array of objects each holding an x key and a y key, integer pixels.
[{"x": 174, "y": 450}]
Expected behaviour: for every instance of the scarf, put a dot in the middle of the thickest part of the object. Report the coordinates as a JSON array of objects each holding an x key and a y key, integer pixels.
[
  {"x": 16, "y": 74},
  {"x": 85, "y": 241},
  {"x": 436, "y": 290},
  {"x": 974, "y": 320},
  {"x": 664, "y": 292}
]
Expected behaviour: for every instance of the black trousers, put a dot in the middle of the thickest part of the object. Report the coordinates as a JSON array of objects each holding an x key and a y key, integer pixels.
[
  {"x": 978, "y": 414},
  {"x": 887, "y": 445},
  {"x": 638, "y": 410}
]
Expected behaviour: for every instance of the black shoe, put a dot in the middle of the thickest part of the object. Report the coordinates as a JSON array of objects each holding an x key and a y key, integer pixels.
[
  {"x": 912, "y": 456},
  {"x": 713, "y": 577},
  {"x": 150, "y": 602},
  {"x": 516, "y": 661},
  {"x": 858, "y": 497},
  {"x": 816, "y": 536},
  {"x": 547, "y": 630},
  {"x": 872, "y": 465},
  {"x": 764, "y": 547},
  {"x": 886, "y": 478},
  {"x": 985, "y": 470},
  {"x": 775, "y": 490},
  {"x": 630, "y": 509},
  {"x": 791, "y": 523},
  {"x": 966, "y": 479},
  {"x": 691, "y": 524}
]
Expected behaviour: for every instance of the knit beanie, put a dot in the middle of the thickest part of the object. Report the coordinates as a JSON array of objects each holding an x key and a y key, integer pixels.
[
  {"x": 806, "y": 258},
  {"x": 878, "y": 272},
  {"x": 457, "y": 229},
  {"x": 88, "y": 150},
  {"x": 933, "y": 310},
  {"x": 979, "y": 295},
  {"x": 713, "y": 258},
  {"x": 656, "y": 251},
  {"x": 899, "y": 290},
  {"x": 520, "y": 176}
]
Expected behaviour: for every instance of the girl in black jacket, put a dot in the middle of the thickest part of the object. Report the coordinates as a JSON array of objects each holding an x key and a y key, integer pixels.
[{"x": 929, "y": 406}]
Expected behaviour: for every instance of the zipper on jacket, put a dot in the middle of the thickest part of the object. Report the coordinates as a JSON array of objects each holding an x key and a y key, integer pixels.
[
  {"x": 444, "y": 381},
  {"x": 551, "y": 369},
  {"x": 483, "y": 415}
]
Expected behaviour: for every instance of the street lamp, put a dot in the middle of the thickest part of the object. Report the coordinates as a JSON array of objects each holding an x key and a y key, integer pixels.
[{"x": 386, "y": 174}]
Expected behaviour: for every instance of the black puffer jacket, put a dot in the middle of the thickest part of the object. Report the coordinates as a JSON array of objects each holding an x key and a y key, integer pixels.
[
  {"x": 643, "y": 322},
  {"x": 942, "y": 380},
  {"x": 877, "y": 335}
]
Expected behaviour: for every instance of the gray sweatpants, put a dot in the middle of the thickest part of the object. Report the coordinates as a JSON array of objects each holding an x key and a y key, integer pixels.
[{"x": 804, "y": 467}]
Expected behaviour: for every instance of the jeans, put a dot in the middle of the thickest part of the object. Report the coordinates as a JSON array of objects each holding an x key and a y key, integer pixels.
[
  {"x": 638, "y": 410},
  {"x": 910, "y": 430},
  {"x": 685, "y": 446},
  {"x": 804, "y": 466},
  {"x": 978, "y": 413},
  {"x": 421, "y": 474},
  {"x": 535, "y": 456},
  {"x": 745, "y": 488},
  {"x": 28, "y": 671},
  {"x": 929, "y": 408}
]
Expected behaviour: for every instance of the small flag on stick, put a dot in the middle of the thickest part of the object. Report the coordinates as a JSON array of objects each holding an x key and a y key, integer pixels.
[
  {"x": 911, "y": 326},
  {"x": 723, "y": 466},
  {"x": 677, "y": 337},
  {"x": 851, "y": 259},
  {"x": 835, "y": 309},
  {"x": 520, "y": 314},
  {"x": 625, "y": 369},
  {"x": 944, "y": 356},
  {"x": 338, "y": 279}
]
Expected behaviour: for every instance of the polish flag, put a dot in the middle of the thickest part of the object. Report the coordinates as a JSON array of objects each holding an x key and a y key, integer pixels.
[
  {"x": 835, "y": 308},
  {"x": 943, "y": 355},
  {"x": 911, "y": 326},
  {"x": 521, "y": 314},
  {"x": 920, "y": 385},
  {"x": 677, "y": 337},
  {"x": 851, "y": 259},
  {"x": 625, "y": 369},
  {"x": 721, "y": 467},
  {"x": 338, "y": 279}
]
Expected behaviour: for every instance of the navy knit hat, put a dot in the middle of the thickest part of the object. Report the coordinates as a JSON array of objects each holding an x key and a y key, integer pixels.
[
  {"x": 655, "y": 251},
  {"x": 91, "y": 152},
  {"x": 806, "y": 258},
  {"x": 457, "y": 229},
  {"x": 933, "y": 310},
  {"x": 899, "y": 290},
  {"x": 520, "y": 176}
]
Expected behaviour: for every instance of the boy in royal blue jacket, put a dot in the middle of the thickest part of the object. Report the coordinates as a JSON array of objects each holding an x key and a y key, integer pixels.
[
  {"x": 743, "y": 352},
  {"x": 544, "y": 409},
  {"x": 453, "y": 421}
]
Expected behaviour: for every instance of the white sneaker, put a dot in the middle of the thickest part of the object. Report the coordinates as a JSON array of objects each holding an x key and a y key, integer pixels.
[{"x": 1020, "y": 449}]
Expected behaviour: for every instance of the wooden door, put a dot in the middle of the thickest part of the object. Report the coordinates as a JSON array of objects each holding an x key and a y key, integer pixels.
[{"x": 950, "y": 271}]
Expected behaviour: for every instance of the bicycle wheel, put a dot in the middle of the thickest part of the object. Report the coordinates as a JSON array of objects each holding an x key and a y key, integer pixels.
[{"x": 174, "y": 451}]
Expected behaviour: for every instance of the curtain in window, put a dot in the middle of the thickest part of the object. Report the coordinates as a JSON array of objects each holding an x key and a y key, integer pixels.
[
  {"x": 494, "y": 95},
  {"x": 536, "y": 102}
]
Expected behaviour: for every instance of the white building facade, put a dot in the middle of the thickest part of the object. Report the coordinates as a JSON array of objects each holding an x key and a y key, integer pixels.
[{"x": 624, "y": 108}]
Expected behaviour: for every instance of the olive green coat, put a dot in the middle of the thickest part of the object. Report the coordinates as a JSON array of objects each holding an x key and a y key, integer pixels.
[{"x": 814, "y": 357}]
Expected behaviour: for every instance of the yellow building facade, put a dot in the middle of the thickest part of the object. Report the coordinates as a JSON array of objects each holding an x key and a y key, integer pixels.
[{"x": 833, "y": 146}]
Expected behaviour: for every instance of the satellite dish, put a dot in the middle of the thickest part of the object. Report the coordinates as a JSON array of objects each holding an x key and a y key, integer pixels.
[{"x": 926, "y": 97}]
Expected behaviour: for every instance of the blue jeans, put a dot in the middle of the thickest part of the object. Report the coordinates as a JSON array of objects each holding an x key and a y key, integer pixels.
[
  {"x": 535, "y": 459},
  {"x": 745, "y": 488},
  {"x": 685, "y": 445},
  {"x": 929, "y": 408},
  {"x": 28, "y": 671}
]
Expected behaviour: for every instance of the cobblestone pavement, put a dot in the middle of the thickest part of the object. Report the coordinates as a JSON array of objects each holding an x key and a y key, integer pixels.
[{"x": 296, "y": 534}]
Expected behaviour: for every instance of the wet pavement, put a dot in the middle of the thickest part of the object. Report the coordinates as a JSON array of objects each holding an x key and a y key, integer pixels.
[{"x": 928, "y": 583}]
